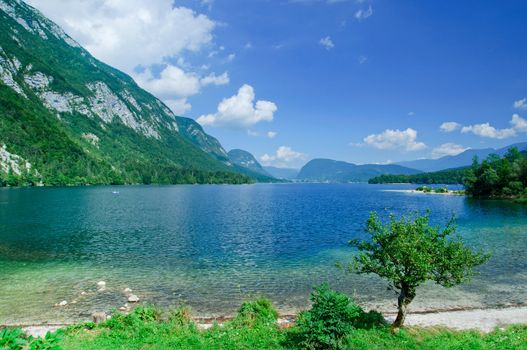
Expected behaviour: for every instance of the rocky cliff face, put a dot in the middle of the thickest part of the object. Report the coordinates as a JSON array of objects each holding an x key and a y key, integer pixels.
[{"x": 72, "y": 116}]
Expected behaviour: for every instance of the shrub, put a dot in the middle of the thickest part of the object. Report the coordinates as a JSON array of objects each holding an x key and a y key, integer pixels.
[
  {"x": 180, "y": 316},
  {"x": 49, "y": 342},
  {"x": 147, "y": 313},
  {"x": 257, "y": 312},
  {"x": 332, "y": 316},
  {"x": 12, "y": 339}
]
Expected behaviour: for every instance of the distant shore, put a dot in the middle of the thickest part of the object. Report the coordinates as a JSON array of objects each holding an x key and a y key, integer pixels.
[
  {"x": 448, "y": 193},
  {"x": 484, "y": 320}
]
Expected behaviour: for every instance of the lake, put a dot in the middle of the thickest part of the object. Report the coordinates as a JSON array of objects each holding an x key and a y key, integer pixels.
[{"x": 211, "y": 247}]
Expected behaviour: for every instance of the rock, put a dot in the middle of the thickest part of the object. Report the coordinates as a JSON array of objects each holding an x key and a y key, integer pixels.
[
  {"x": 99, "y": 316},
  {"x": 123, "y": 308},
  {"x": 101, "y": 286},
  {"x": 83, "y": 293},
  {"x": 62, "y": 303},
  {"x": 132, "y": 298},
  {"x": 127, "y": 290}
]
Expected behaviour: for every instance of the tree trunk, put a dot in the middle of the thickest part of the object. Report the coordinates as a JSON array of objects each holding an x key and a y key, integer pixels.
[{"x": 405, "y": 297}]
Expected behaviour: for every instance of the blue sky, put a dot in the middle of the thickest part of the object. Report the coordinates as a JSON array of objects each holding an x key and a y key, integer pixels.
[{"x": 360, "y": 81}]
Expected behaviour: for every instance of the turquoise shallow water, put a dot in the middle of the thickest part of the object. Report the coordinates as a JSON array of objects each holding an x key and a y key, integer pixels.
[{"x": 213, "y": 246}]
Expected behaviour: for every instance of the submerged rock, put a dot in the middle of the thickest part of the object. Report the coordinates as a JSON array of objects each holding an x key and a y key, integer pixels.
[
  {"x": 132, "y": 298},
  {"x": 101, "y": 286},
  {"x": 62, "y": 303},
  {"x": 127, "y": 291}
]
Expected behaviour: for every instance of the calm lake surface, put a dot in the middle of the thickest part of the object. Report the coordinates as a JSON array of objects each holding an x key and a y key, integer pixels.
[{"x": 212, "y": 247}]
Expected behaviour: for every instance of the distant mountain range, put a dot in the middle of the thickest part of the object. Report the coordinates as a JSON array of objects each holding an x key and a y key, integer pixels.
[
  {"x": 282, "y": 173},
  {"x": 328, "y": 170},
  {"x": 460, "y": 160}
]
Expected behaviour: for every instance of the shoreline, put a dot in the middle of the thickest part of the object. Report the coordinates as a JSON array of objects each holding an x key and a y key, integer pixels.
[
  {"x": 449, "y": 193},
  {"x": 480, "y": 319}
]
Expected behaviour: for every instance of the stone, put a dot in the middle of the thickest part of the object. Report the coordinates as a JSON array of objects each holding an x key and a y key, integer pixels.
[
  {"x": 62, "y": 303},
  {"x": 101, "y": 284},
  {"x": 132, "y": 298},
  {"x": 99, "y": 316},
  {"x": 83, "y": 293},
  {"x": 123, "y": 308},
  {"x": 127, "y": 290}
]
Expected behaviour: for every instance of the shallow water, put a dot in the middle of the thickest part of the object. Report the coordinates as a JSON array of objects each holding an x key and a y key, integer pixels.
[{"x": 212, "y": 247}]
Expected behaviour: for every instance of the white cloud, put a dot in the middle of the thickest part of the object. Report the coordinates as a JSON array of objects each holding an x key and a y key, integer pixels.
[
  {"x": 447, "y": 149},
  {"x": 487, "y": 130},
  {"x": 327, "y": 43},
  {"x": 214, "y": 79},
  {"x": 449, "y": 126},
  {"x": 172, "y": 81},
  {"x": 362, "y": 59},
  {"x": 520, "y": 104},
  {"x": 518, "y": 123},
  {"x": 129, "y": 33},
  {"x": 240, "y": 110},
  {"x": 174, "y": 85},
  {"x": 411, "y": 114},
  {"x": 252, "y": 133},
  {"x": 271, "y": 134},
  {"x": 395, "y": 139},
  {"x": 178, "y": 106},
  {"x": 249, "y": 45},
  {"x": 231, "y": 57},
  {"x": 283, "y": 157},
  {"x": 363, "y": 14}
]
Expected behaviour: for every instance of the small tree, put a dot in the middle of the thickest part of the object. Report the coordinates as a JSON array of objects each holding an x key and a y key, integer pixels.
[{"x": 409, "y": 252}]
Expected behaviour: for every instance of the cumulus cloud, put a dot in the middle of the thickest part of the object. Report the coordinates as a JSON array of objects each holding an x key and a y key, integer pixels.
[
  {"x": 240, "y": 110},
  {"x": 363, "y": 14},
  {"x": 271, "y": 134},
  {"x": 327, "y": 43},
  {"x": 449, "y": 126},
  {"x": 171, "y": 81},
  {"x": 520, "y": 104},
  {"x": 487, "y": 130},
  {"x": 213, "y": 79},
  {"x": 174, "y": 85},
  {"x": 283, "y": 157},
  {"x": 447, "y": 149},
  {"x": 130, "y": 33},
  {"x": 518, "y": 123},
  {"x": 395, "y": 139}
]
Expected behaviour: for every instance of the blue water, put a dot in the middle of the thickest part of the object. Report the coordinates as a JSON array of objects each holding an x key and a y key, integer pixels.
[{"x": 212, "y": 247}]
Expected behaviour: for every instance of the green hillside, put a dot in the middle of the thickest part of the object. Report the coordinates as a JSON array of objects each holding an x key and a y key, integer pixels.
[{"x": 66, "y": 118}]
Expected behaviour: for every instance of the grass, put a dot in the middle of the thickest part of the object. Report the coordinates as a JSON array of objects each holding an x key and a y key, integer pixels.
[{"x": 163, "y": 335}]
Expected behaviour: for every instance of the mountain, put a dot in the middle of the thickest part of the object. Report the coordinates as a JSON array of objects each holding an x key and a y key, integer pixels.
[
  {"x": 67, "y": 118},
  {"x": 328, "y": 170},
  {"x": 460, "y": 160},
  {"x": 246, "y": 164},
  {"x": 282, "y": 173},
  {"x": 246, "y": 160}
]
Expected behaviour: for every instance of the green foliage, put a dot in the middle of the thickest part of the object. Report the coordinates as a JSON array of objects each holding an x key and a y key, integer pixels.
[
  {"x": 332, "y": 316},
  {"x": 447, "y": 177},
  {"x": 257, "y": 312},
  {"x": 49, "y": 342},
  {"x": 15, "y": 339},
  {"x": 12, "y": 339},
  {"x": 409, "y": 251},
  {"x": 499, "y": 177},
  {"x": 180, "y": 316}
]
